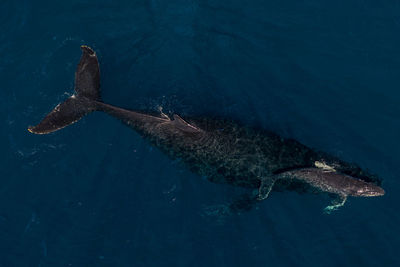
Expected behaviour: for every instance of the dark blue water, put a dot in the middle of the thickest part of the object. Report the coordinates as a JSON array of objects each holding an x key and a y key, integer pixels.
[{"x": 95, "y": 194}]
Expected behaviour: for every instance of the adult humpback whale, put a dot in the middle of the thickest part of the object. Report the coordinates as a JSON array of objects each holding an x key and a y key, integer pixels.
[{"x": 221, "y": 150}]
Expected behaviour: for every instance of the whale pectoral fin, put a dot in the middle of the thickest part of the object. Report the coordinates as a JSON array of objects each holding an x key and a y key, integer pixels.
[
  {"x": 181, "y": 124},
  {"x": 265, "y": 187},
  {"x": 336, "y": 204}
]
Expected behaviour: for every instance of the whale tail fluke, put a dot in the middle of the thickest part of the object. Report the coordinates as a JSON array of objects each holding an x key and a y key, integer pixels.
[{"x": 84, "y": 101}]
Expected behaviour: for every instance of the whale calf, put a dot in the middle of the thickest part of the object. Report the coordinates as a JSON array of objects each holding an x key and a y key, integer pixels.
[{"x": 221, "y": 150}]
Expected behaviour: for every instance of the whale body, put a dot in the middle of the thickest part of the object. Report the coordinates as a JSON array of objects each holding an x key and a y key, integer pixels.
[{"x": 221, "y": 150}]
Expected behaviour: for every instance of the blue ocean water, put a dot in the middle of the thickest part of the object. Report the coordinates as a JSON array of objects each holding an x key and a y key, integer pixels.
[{"x": 95, "y": 194}]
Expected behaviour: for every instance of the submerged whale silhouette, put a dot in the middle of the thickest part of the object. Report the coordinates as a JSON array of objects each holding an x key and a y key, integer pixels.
[{"x": 221, "y": 150}]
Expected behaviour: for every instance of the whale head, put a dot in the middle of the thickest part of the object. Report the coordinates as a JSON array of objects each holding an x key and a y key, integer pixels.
[
  {"x": 362, "y": 182},
  {"x": 369, "y": 190}
]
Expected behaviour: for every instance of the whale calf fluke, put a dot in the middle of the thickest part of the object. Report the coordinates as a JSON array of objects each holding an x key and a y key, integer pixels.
[{"x": 221, "y": 150}]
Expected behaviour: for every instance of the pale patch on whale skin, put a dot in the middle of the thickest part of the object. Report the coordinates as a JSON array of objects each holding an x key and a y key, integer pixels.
[{"x": 324, "y": 166}]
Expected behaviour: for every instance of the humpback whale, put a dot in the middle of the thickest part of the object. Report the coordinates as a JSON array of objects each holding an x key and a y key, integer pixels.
[{"x": 222, "y": 150}]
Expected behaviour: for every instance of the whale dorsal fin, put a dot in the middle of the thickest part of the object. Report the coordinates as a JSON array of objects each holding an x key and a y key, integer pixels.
[{"x": 183, "y": 125}]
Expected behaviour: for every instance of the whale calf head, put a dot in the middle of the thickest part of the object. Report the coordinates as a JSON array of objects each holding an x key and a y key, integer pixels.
[
  {"x": 332, "y": 181},
  {"x": 369, "y": 190}
]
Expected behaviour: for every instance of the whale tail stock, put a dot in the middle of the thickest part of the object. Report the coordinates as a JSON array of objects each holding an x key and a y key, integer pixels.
[{"x": 83, "y": 101}]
